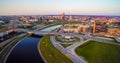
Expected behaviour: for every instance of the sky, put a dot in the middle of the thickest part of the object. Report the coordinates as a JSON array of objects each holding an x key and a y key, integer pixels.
[{"x": 46, "y": 7}]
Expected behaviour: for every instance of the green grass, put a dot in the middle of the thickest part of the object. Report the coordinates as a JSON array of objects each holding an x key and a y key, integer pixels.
[
  {"x": 2, "y": 27},
  {"x": 66, "y": 45},
  {"x": 50, "y": 53},
  {"x": 1, "y": 47},
  {"x": 56, "y": 38},
  {"x": 97, "y": 52},
  {"x": 78, "y": 39},
  {"x": 84, "y": 39},
  {"x": 31, "y": 28}
]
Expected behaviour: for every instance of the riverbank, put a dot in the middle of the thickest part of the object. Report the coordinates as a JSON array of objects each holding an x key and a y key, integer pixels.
[
  {"x": 26, "y": 51},
  {"x": 8, "y": 47},
  {"x": 50, "y": 53}
]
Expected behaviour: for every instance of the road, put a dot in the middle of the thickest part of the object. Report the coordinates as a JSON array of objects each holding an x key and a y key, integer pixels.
[
  {"x": 72, "y": 34},
  {"x": 7, "y": 48},
  {"x": 70, "y": 51},
  {"x": 9, "y": 40}
]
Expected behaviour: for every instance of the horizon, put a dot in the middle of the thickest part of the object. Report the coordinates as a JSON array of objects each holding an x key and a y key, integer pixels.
[
  {"x": 72, "y": 7},
  {"x": 58, "y": 15}
]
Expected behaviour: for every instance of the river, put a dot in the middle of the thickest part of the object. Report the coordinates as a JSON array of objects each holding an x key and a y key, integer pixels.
[
  {"x": 51, "y": 28},
  {"x": 26, "y": 51}
]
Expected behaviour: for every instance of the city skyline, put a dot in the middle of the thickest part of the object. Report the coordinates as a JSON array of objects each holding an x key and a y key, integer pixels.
[{"x": 72, "y": 7}]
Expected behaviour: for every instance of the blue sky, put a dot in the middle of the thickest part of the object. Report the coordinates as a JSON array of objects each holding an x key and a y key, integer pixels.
[{"x": 41, "y": 7}]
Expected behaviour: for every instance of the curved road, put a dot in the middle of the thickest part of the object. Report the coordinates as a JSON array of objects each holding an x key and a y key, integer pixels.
[
  {"x": 70, "y": 51},
  {"x": 72, "y": 34}
]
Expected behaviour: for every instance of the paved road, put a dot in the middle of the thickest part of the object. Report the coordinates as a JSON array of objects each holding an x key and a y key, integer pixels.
[
  {"x": 66, "y": 43},
  {"x": 9, "y": 40},
  {"x": 75, "y": 58},
  {"x": 6, "y": 50},
  {"x": 72, "y": 48},
  {"x": 61, "y": 29},
  {"x": 76, "y": 35},
  {"x": 72, "y": 34}
]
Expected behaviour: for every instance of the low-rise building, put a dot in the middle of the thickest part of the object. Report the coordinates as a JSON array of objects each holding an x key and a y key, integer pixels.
[
  {"x": 6, "y": 31},
  {"x": 76, "y": 28},
  {"x": 114, "y": 31}
]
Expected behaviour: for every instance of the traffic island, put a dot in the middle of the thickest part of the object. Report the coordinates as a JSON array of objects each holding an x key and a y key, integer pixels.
[
  {"x": 66, "y": 45},
  {"x": 66, "y": 41}
]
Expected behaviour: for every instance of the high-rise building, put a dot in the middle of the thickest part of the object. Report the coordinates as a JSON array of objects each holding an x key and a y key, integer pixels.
[
  {"x": 93, "y": 26},
  {"x": 63, "y": 16}
]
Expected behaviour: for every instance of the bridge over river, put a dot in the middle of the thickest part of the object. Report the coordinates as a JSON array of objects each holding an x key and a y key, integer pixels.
[{"x": 70, "y": 34}]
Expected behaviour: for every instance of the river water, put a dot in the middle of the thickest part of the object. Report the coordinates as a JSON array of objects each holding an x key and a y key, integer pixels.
[
  {"x": 51, "y": 28},
  {"x": 26, "y": 51}
]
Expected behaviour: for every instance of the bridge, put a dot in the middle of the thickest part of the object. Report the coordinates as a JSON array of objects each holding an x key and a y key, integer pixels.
[
  {"x": 117, "y": 39},
  {"x": 70, "y": 34}
]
